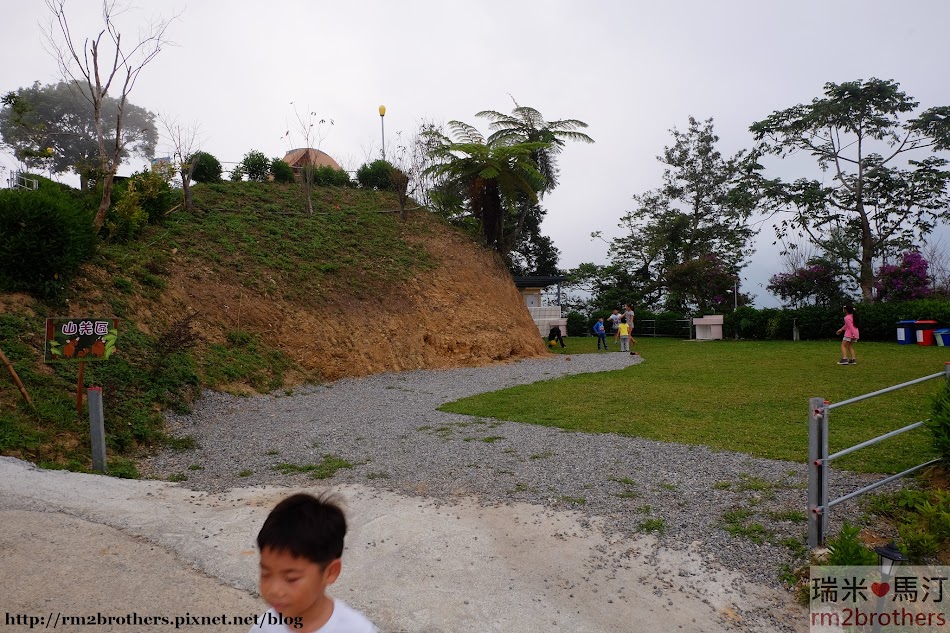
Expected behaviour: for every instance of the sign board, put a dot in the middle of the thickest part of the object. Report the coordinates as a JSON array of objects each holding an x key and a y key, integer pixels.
[{"x": 80, "y": 339}]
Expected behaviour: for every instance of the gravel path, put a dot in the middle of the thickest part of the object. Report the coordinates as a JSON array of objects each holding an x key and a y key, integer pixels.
[{"x": 389, "y": 428}]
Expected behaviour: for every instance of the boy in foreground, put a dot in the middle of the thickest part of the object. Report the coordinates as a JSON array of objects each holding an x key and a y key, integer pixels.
[{"x": 301, "y": 545}]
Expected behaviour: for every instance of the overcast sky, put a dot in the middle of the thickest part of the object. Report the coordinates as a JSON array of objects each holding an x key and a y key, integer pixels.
[{"x": 631, "y": 69}]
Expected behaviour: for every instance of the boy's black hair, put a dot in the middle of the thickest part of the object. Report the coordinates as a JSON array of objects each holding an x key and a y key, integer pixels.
[{"x": 306, "y": 527}]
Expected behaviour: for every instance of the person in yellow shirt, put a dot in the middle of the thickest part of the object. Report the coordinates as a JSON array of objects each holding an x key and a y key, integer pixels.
[{"x": 623, "y": 332}]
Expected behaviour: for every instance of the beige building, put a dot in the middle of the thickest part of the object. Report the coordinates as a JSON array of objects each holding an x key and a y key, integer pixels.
[
  {"x": 545, "y": 317},
  {"x": 309, "y": 157}
]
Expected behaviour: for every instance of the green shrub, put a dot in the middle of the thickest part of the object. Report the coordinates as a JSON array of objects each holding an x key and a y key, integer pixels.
[
  {"x": 237, "y": 174},
  {"x": 126, "y": 218},
  {"x": 144, "y": 197},
  {"x": 207, "y": 167},
  {"x": 876, "y": 321},
  {"x": 939, "y": 423},
  {"x": 666, "y": 324},
  {"x": 576, "y": 324},
  {"x": 255, "y": 165},
  {"x": 281, "y": 171},
  {"x": 326, "y": 176},
  {"x": 375, "y": 175},
  {"x": 922, "y": 518},
  {"x": 48, "y": 230},
  {"x": 846, "y": 550}
]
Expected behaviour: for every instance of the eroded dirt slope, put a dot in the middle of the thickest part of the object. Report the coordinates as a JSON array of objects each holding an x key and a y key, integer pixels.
[{"x": 463, "y": 311}]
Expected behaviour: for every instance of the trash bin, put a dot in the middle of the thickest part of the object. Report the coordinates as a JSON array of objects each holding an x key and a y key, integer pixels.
[
  {"x": 925, "y": 332},
  {"x": 942, "y": 336},
  {"x": 905, "y": 332}
]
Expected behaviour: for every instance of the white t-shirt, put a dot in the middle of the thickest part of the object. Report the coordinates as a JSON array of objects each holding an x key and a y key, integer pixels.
[{"x": 344, "y": 619}]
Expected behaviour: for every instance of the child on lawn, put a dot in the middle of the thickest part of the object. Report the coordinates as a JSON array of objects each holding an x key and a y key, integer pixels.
[
  {"x": 301, "y": 544},
  {"x": 600, "y": 332},
  {"x": 624, "y": 333},
  {"x": 850, "y": 336}
]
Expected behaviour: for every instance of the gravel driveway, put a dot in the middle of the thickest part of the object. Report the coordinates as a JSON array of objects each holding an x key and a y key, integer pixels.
[{"x": 388, "y": 427}]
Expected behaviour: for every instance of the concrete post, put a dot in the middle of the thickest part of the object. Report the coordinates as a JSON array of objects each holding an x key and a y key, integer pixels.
[{"x": 97, "y": 431}]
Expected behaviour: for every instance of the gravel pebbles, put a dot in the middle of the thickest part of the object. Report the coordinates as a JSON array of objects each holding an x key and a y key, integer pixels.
[{"x": 746, "y": 512}]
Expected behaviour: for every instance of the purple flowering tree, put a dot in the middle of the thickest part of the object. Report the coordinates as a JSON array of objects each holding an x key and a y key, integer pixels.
[
  {"x": 910, "y": 280},
  {"x": 815, "y": 283}
]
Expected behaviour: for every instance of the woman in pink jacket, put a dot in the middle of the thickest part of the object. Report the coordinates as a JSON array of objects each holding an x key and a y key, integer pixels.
[{"x": 850, "y": 336}]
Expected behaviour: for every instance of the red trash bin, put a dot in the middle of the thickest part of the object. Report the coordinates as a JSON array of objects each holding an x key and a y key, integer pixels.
[{"x": 925, "y": 332}]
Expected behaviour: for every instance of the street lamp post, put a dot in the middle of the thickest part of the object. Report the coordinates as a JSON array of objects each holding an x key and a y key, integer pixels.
[
  {"x": 735, "y": 304},
  {"x": 382, "y": 127}
]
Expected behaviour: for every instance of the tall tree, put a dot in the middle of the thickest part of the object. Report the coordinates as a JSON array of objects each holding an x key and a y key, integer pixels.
[
  {"x": 101, "y": 64},
  {"x": 862, "y": 132},
  {"x": 694, "y": 227},
  {"x": 526, "y": 125},
  {"x": 533, "y": 251},
  {"x": 492, "y": 175},
  {"x": 53, "y": 127}
]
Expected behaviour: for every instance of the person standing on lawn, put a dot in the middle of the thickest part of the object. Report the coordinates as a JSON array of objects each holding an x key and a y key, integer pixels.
[
  {"x": 851, "y": 335},
  {"x": 628, "y": 315},
  {"x": 615, "y": 324},
  {"x": 623, "y": 331},
  {"x": 601, "y": 333}
]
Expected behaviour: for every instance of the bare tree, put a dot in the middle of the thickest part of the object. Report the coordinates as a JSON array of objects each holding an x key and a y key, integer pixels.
[
  {"x": 101, "y": 64},
  {"x": 412, "y": 177},
  {"x": 937, "y": 255},
  {"x": 312, "y": 132},
  {"x": 185, "y": 142}
]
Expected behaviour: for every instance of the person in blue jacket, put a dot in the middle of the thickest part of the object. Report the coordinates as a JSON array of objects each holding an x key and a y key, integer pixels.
[{"x": 600, "y": 332}]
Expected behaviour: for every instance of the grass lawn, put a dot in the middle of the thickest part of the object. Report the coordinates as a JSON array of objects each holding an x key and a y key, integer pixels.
[{"x": 746, "y": 396}]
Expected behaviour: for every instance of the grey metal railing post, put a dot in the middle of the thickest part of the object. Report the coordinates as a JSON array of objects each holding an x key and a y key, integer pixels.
[
  {"x": 825, "y": 473},
  {"x": 815, "y": 410},
  {"x": 97, "y": 432}
]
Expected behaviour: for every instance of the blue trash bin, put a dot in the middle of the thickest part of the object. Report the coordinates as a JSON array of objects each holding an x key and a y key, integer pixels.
[
  {"x": 942, "y": 337},
  {"x": 906, "y": 333}
]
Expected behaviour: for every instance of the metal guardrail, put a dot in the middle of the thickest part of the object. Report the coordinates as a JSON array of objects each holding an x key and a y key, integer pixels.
[
  {"x": 819, "y": 409},
  {"x": 18, "y": 180},
  {"x": 647, "y": 327}
]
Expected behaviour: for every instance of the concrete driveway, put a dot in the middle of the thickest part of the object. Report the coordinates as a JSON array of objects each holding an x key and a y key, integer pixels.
[{"x": 83, "y": 545}]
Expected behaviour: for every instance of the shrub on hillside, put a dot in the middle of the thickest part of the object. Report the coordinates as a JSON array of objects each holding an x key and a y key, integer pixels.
[
  {"x": 207, "y": 167},
  {"x": 255, "y": 165},
  {"x": 326, "y": 176},
  {"x": 50, "y": 231},
  {"x": 144, "y": 197},
  {"x": 375, "y": 175},
  {"x": 281, "y": 171}
]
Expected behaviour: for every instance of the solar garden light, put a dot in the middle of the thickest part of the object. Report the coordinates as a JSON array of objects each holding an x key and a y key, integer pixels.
[{"x": 888, "y": 557}]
